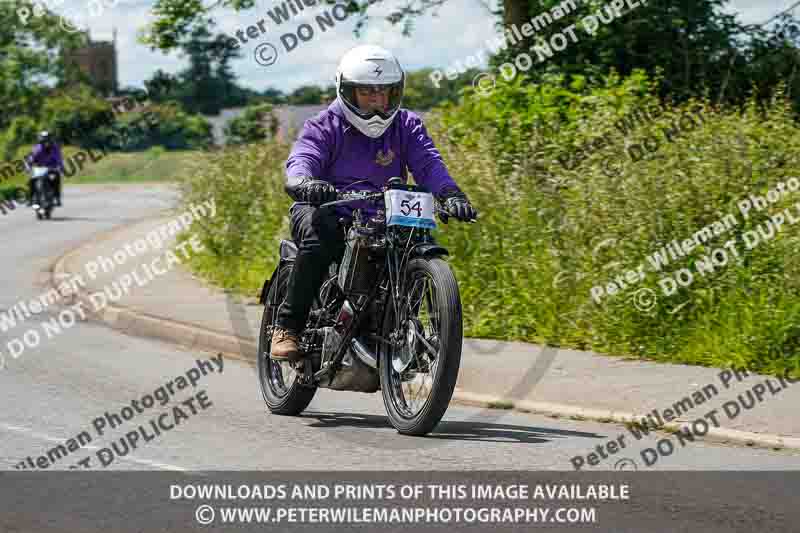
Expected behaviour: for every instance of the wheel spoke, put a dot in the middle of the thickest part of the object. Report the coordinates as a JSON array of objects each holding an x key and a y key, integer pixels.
[
  {"x": 414, "y": 385},
  {"x": 432, "y": 310},
  {"x": 414, "y": 308},
  {"x": 428, "y": 346},
  {"x": 279, "y": 373}
]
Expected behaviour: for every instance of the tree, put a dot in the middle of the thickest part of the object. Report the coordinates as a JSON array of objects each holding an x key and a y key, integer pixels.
[
  {"x": 273, "y": 96},
  {"x": 30, "y": 62},
  {"x": 175, "y": 18},
  {"x": 208, "y": 84},
  {"x": 421, "y": 94},
  {"x": 692, "y": 44},
  {"x": 306, "y": 95},
  {"x": 162, "y": 86},
  {"x": 685, "y": 40}
]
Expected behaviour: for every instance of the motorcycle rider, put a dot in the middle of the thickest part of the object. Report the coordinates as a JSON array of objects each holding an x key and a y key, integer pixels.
[
  {"x": 46, "y": 154},
  {"x": 364, "y": 135}
]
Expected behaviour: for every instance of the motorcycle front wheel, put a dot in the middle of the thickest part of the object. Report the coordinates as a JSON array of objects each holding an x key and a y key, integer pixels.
[
  {"x": 419, "y": 364},
  {"x": 40, "y": 198},
  {"x": 279, "y": 382}
]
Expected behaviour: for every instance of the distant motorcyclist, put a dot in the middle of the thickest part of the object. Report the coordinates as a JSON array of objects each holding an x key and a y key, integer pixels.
[{"x": 46, "y": 154}]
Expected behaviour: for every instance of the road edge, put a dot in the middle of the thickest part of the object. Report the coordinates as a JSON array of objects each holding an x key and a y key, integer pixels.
[
  {"x": 191, "y": 336},
  {"x": 140, "y": 324}
]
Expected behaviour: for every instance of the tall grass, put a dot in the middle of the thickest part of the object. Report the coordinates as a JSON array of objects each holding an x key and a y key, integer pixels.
[{"x": 252, "y": 213}]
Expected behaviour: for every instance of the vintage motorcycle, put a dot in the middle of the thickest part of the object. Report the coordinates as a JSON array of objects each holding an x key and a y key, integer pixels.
[{"x": 388, "y": 317}]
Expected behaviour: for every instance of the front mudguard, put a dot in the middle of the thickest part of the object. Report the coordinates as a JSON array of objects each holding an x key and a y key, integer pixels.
[{"x": 429, "y": 250}]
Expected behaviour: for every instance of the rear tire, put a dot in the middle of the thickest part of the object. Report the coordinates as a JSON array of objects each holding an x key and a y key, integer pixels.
[
  {"x": 282, "y": 398},
  {"x": 445, "y": 333}
]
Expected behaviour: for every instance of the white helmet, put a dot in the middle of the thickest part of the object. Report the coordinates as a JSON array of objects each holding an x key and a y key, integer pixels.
[{"x": 365, "y": 67}]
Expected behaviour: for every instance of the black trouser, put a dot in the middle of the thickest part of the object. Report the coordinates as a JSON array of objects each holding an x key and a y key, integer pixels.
[{"x": 320, "y": 241}]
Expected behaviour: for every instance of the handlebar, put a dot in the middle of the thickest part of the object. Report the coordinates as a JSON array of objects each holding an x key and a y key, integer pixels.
[{"x": 354, "y": 196}]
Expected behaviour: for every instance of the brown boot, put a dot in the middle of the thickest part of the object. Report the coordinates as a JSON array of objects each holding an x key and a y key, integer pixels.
[{"x": 284, "y": 345}]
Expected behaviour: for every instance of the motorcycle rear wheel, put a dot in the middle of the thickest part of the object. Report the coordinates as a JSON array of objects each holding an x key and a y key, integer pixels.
[
  {"x": 430, "y": 289},
  {"x": 278, "y": 381}
]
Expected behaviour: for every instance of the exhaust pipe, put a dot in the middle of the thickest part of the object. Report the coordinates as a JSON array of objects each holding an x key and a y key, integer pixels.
[{"x": 364, "y": 354}]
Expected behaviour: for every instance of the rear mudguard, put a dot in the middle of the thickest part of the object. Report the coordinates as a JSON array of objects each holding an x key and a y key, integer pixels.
[
  {"x": 288, "y": 253},
  {"x": 262, "y": 299}
]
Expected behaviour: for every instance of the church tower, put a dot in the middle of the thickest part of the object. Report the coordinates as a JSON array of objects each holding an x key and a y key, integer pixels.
[{"x": 98, "y": 60}]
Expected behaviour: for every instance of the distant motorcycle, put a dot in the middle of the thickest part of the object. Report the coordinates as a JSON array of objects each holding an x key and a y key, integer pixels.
[
  {"x": 388, "y": 316},
  {"x": 43, "y": 193}
]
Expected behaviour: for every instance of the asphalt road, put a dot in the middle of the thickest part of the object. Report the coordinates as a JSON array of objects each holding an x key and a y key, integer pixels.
[{"x": 56, "y": 391}]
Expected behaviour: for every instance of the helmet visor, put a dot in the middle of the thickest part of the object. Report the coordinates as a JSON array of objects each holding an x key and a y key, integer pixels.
[{"x": 368, "y": 101}]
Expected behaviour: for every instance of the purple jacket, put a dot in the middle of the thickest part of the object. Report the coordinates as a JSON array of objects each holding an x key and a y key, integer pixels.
[
  {"x": 42, "y": 156},
  {"x": 331, "y": 149}
]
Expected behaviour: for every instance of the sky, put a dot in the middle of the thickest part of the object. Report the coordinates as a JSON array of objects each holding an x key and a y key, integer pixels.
[{"x": 458, "y": 30}]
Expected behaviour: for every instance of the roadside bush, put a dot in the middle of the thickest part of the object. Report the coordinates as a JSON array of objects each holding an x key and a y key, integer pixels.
[
  {"x": 178, "y": 130},
  {"x": 549, "y": 234},
  {"x": 163, "y": 125},
  {"x": 22, "y": 131},
  {"x": 257, "y": 123},
  {"x": 77, "y": 110}
]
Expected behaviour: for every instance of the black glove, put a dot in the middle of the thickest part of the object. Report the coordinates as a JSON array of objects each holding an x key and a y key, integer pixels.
[
  {"x": 317, "y": 192},
  {"x": 457, "y": 205}
]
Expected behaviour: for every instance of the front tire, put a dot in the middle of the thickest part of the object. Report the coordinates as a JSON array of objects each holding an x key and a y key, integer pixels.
[
  {"x": 430, "y": 289},
  {"x": 280, "y": 388},
  {"x": 39, "y": 199}
]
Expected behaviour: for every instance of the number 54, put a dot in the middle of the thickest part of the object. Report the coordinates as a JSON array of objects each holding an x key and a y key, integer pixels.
[{"x": 406, "y": 207}]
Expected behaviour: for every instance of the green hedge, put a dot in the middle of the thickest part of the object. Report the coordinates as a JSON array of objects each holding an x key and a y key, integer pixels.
[{"x": 257, "y": 123}]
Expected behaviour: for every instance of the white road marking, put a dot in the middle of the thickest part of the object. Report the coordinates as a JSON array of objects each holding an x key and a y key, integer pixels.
[{"x": 32, "y": 433}]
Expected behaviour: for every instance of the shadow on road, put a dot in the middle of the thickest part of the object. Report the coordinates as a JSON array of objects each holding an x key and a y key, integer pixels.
[
  {"x": 68, "y": 219},
  {"x": 452, "y": 430}
]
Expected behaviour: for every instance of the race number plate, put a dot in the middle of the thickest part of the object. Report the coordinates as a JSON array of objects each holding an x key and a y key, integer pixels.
[
  {"x": 38, "y": 172},
  {"x": 408, "y": 208}
]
